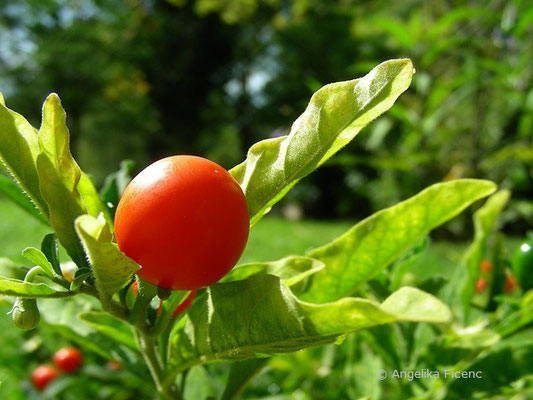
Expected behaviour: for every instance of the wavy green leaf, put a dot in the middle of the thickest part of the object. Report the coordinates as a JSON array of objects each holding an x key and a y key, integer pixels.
[
  {"x": 37, "y": 256},
  {"x": 260, "y": 316},
  {"x": 484, "y": 222},
  {"x": 50, "y": 249},
  {"x": 334, "y": 116},
  {"x": 111, "y": 268},
  {"x": 91, "y": 199},
  {"x": 111, "y": 327},
  {"x": 59, "y": 176},
  {"x": 291, "y": 269},
  {"x": 371, "y": 245},
  {"x": 15, "y": 287},
  {"x": 19, "y": 148},
  {"x": 15, "y": 193}
]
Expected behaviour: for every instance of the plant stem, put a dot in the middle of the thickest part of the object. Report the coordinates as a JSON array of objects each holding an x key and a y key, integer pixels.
[{"x": 147, "y": 345}]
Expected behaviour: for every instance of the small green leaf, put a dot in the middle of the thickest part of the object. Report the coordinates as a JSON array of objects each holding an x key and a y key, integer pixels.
[
  {"x": 291, "y": 269},
  {"x": 59, "y": 176},
  {"x": 50, "y": 249},
  {"x": 36, "y": 256},
  {"x": 115, "y": 184},
  {"x": 111, "y": 327},
  {"x": 62, "y": 317},
  {"x": 484, "y": 222},
  {"x": 15, "y": 193},
  {"x": 334, "y": 116},
  {"x": 260, "y": 316},
  {"x": 371, "y": 245},
  {"x": 91, "y": 199},
  {"x": 411, "y": 304},
  {"x": 19, "y": 148},
  {"x": 111, "y": 268},
  {"x": 15, "y": 287},
  {"x": 79, "y": 277}
]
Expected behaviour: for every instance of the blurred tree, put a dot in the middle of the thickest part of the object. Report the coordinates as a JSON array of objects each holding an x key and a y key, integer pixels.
[{"x": 143, "y": 79}]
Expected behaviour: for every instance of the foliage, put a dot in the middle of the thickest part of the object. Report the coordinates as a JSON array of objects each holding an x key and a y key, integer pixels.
[
  {"x": 274, "y": 298},
  {"x": 469, "y": 114}
]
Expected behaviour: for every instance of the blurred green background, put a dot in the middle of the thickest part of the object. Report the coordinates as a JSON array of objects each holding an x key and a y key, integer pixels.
[{"x": 144, "y": 79}]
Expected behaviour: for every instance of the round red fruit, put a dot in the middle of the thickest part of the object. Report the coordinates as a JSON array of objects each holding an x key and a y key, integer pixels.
[
  {"x": 486, "y": 266},
  {"x": 43, "y": 375},
  {"x": 481, "y": 284},
  {"x": 69, "y": 359},
  {"x": 184, "y": 220}
]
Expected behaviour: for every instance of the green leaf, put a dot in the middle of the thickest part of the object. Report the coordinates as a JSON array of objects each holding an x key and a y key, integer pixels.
[
  {"x": 111, "y": 327},
  {"x": 334, "y": 116},
  {"x": 484, "y": 222},
  {"x": 59, "y": 176},
  {"x": 15, "y": 287},
  {"x": 50, "y": 249},
  {"x": 111, "y": 268},
  {"x": 240, "y": 374},
  {"x": 115, "y": 184},
  {"x": 19, "y": 148},
  {"x": 36, "y": 256},
  {"x": 15, "y": 193},
  {"x": 261, "y": 316},
  {"x": 79, "y": 277},
  {"x": 91, "y": 199},
  {"x": 371, "y": 245},
  {"x": 62, "y": 316},
  {"x": 291, "y": 269}
]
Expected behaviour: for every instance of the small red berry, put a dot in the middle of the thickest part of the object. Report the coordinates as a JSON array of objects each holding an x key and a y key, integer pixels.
[
  {"x": 69, "y": 359},
  {"x": 481, "y": 284},
  {"x": 43, "y": 375},
  {"x": 114, "y": 365},
  {"x": 485, "y": 266},
  {"x": 510, "y": 283}
]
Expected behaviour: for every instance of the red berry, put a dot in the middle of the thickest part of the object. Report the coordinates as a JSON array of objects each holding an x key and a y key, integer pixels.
[
  {"x": 69, "y": 359},
  {"x": 481, "y": 284},
  {"x": 43, "y": 375},
  {"x": 184, "y": 220},
  {"x": 510, "y": 283},
  {"x": 485, "y": 266},
  {"x": 114, "y": 365}
]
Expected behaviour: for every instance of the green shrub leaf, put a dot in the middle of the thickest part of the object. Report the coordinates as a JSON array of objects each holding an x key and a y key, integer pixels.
[
  {"x": 36, "y": 256},
  {"x": 111, "y": 327},
  {"x": 260, "y": 316},
  {"x": 334, "y": 116},
  {"x": 371, "y": 245},
  {"x": 291, "y": 269},
  {"x": 16, "y": 287},
  {"x": 59, "y": 176},
  {"x": 19, "y": 148},
  {"x": 15, "y": 193},
  {"x": 50, "y": 249},
  {"x": 111, "y": 268}
]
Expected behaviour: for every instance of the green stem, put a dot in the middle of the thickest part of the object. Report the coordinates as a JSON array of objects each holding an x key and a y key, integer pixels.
[
  {"x": 168, "y": 310},
  {"x": 146, "y": 292},
  {"x": 147, "y": 345},
  {"x": 148, "y": 350}
]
